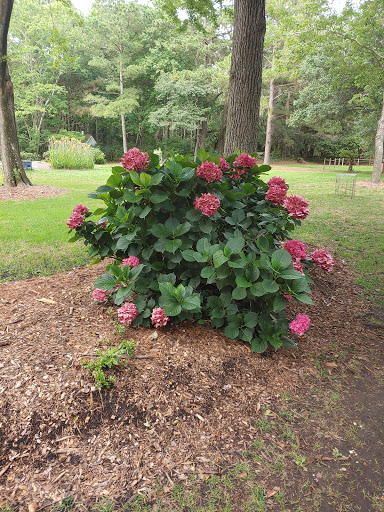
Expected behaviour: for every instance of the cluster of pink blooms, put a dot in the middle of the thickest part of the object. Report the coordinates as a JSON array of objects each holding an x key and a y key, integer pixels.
[
  {"x": 296, "y": 249},
  {"x": 245, "y": 161},
  {"x": 297, "y": 207},
  {"x": 209, "y": 171},
  {"x": 287, "y": 296},
  {"x": 77, "y": 217},
  {"x": 224, "y": 165},
  {"x": 100, "y": 295},
  {"x": 297, "y": 265},
  {"x": 127, "y": 313},
  {"x": 132, "y": 261},
  {"x": 135, "y": 160},
  {"x": 322, "y": 259},
  {"x": 276, "y": 181},
  {"x": 300, "y": 324},
  {"x": 207, "y": 203},
  {"x": 276, "y": 195},
  {"x": 159, "y": 318}
]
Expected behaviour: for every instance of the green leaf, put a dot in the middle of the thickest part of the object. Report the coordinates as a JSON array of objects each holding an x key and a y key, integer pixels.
[
  {"x": 251, "y": 319},
  {"x": 219, "y": 259},
  {"x": 288, "y": 343},
  {"x": 291, "y": 274},
  {"x": 158, "y": 196},
  {"x": 259, "y": 345},
  {"x": 172, "y": 245},
  {"x": 239, "y": 293},
  {"x": 182, "y": 229},
  {"x": 187, "y": 173},
  {"x": 135, "y": 178},
  {"x": 242, "y": 282},
  {"x": 167, "y": 289},
  {"x": 190, "y": 303},
  {"x": 239, "y": 263},
  {"x": 156, "y": 179},
  {"x": 207, "y": 272},
  {"x": 124, "y": 242},
  {"x": 280, "y": 260},
  {"x": 114, "y": 180},
  {"x": 167, "y": 278},
  {"x": 203, "y": 245},
  {"x": 258, "y": 290},
  {"x": 193, "y": 215},
  {"x": 232, "y": 331},
  {"x": 279, "y": 303},
  {"x": 248, "y": 188},
  {"x": 270, "y": 286},
  {"x": 105, "y": 282},
  {"x": 275, "y": 342},
  {"x": 265, "y": 262},
  {"x": 303, "y": 297},
  {"x": 246, "y": 335},
  {"x": 131, "y": 197},
  {"x": 160, "y": 231},
  {"x": 145, "y": 212},
  {"x": 263, "y": 244},
  {"x": 202, "y": 154},
  {"x": 235, "y": 245},
  {"x": 171, "y": 308},
  {"x": 145, "y": 179},
  {"x": 104, "y": 188}
]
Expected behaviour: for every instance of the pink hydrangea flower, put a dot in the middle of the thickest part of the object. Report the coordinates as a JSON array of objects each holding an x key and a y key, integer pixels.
[
  {"x": 276, "y": 195},
  {"x": 100, "y": 295},
  {"x": 135, "y": 160},
  {"x": 237, "y": 174},
  {"x": 75, "y": 220},
  {"x": 297, "y": 265},
  {"x": 275, "y": 181},
  {"x": 245, "y": 161},
  {"x": 207, "y": 203},
  {"x": 80, "y": 208},
  {"x": 127, "y": 313},
  {"x": 300, "y": 324},
  {"x": 224, "y": 165},
  {"x": 209, "y": 171},
  {"x": 322, "y": 259},
  {"x": 287, "y": 296},
  {"x": 132, "y": 261},
  {"x": 159, "y": 318},
  {"x": 296, "y": 249},
  {"x": 297, "y": 207}
]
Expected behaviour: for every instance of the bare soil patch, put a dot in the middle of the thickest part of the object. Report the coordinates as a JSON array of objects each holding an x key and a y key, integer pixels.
[
  {"x": 20, "y": 192},
  {"x": 187, "y": 403}
]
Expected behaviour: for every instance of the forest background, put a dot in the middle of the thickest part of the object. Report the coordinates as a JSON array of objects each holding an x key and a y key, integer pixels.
[{"x": 129, "y": 76}]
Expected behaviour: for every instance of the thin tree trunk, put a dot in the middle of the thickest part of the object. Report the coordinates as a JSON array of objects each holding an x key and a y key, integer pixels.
[
  {"x": 196, "y": 144},
  {"x": 379, "y": 141},
  {"x": 220, "y": 142},
  {"x": 270, "y": 122},
  {"x": 245, "y": 76},
  {"x": 203, "y": 133},
  {"x": 10, "y": 151},
  {"x": 123, "y": 129}
]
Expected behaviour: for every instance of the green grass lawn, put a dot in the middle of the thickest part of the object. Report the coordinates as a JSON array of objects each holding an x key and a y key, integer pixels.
[{"x": 34, "y": 236}]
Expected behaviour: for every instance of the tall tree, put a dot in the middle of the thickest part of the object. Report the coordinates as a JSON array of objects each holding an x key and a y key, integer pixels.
[
  {"x": 245, "y": 76},
  {"x": 10, "y": 153}
]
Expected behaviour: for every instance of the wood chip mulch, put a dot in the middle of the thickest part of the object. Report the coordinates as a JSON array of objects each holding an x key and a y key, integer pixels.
[
  {"x": 187, "y": 402},
  {"x": 21, "y": 192}
]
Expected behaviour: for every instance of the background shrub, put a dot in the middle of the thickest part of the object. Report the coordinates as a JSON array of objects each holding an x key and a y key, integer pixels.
[
  {"x": 66, "y": 153},
  {"x": 98, "y": 156}
]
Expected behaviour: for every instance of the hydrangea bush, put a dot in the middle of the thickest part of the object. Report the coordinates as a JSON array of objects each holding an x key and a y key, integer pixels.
[{"x": 207, "y": 240}]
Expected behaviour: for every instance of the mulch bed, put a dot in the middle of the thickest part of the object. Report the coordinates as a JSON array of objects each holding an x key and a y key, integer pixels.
[
  {"x": 186, "y": 402},
  {"x": 34, "y": 192}
]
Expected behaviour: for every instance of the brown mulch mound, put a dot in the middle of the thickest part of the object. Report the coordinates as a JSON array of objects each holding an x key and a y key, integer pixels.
[
  {"x": 188, "y": 400},
  {"x": 31, "y": 192}
]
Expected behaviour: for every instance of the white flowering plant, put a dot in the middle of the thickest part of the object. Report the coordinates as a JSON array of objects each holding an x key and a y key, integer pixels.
[{"x": 200, "y": 240}]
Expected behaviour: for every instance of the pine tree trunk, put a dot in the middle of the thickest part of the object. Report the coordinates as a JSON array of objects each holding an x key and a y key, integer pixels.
[
  {"x": 14, "y": 173},
  {"x": 379, "y": 141},
  {"x": 123, "y": 129},
  {"x": 203, "y": 133},
  {"x": 220, "y": 142},
  {"x": 245, "y": 76},
  {"x": 270, "y": 122}
]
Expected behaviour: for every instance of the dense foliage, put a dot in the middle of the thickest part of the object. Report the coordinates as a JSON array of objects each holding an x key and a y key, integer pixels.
[{"x": 200, "y": 240}]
